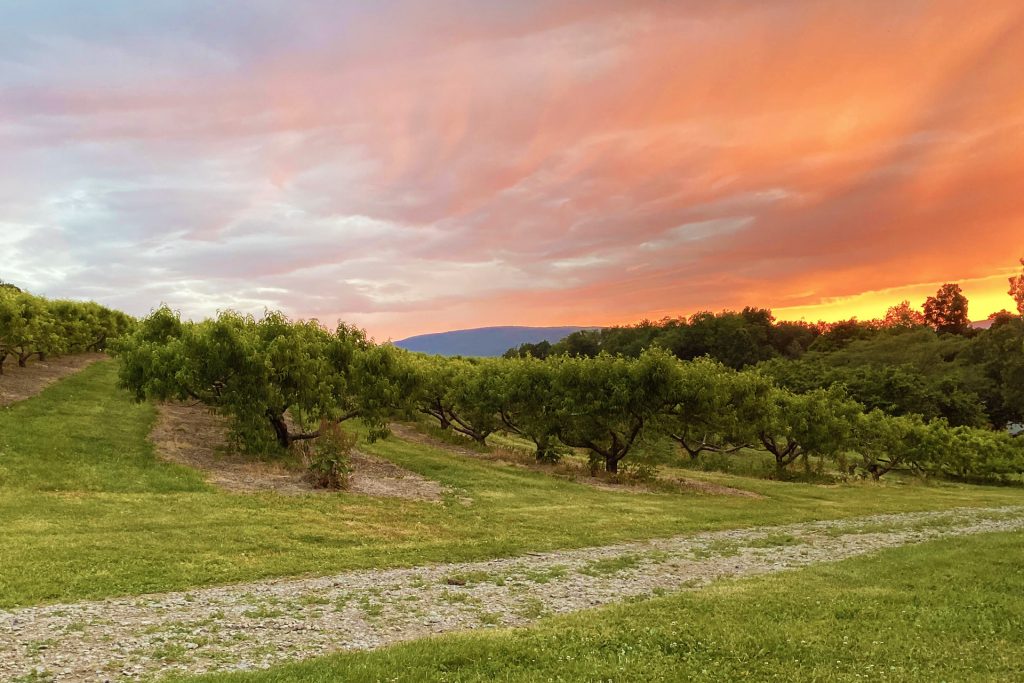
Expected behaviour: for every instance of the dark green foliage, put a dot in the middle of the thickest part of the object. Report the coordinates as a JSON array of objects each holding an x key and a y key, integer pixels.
[
  {"x": 736, "y": 339},
  {"x": 522, "y": 408},
  {"x": 839, "y": 335},
  {"x": 902, "y": 372},
  {"x": 606, "y": 404},
  {"x": 714, "y": 408},
  {"x": 276, "y": 379},
  {"x": 792, "y": 426},
  {"x": 283, "y": 382},
  {"x": 998, "y": 356},
  {"x": 33, "y": 326},
  {"x": 463, "y": 395}
]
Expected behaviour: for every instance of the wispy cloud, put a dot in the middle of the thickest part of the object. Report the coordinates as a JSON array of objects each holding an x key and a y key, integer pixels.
[{"x": 413, "y": 167}]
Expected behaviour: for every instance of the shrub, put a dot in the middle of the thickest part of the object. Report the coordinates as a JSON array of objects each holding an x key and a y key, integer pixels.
[{"x": 328, "y": 460}]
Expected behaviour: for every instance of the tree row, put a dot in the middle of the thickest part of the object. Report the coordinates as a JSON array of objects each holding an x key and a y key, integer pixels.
[
  {"x": 281, "y": 382},
  {"x": 33, "y": 326}
]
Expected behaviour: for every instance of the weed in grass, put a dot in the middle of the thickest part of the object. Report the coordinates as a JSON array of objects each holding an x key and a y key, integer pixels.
[
  {"x": 170, "y": 652},
  {"x": 612, "y": 565},
  {"x": 489, "y": 618},
  {"x": 263, "y": 612},
  {"x": 454, "y": 598},
  {"x": 773, "y": 541},
  {"x": 313, "y": 599},
  {"x": 531, "y": 608},
  {"x": 370, "y": 608},
  {"x": 721, "y": 548},
  {"x": 36, "y": 646},
  {"x": 546, "y": 574}
]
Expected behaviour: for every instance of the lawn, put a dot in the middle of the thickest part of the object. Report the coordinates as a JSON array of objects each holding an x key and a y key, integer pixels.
[
  {"x": 87, "y": 511},
  {"x": 948, "y": 610}
]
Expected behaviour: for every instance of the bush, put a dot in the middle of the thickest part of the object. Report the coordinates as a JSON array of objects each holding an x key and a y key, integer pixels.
[
  {"x": 328, "y": 460},
  {"x": 638, "y": 472}
]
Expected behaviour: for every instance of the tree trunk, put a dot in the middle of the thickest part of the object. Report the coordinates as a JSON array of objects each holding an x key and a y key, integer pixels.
[
  {"x": 611, "y": 464},
  {"x": 284, "y": 438},
  {"x": 544, "y": 450}
]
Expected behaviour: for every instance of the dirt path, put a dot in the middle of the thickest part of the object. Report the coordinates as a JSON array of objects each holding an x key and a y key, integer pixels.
[
  {"x": 259, "y": 624},
  {"x": 18, "y": 383}
]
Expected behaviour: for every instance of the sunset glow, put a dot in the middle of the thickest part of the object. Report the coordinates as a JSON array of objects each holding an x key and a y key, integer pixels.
[{"x": 416, "y": 167}]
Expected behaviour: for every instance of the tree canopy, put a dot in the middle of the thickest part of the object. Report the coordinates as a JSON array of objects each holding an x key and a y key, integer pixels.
[{"x": 946, "y": 312}]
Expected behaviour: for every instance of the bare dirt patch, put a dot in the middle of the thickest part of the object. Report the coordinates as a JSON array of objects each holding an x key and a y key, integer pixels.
[
  {"x": 18, "y": 383},
  {"x": 192, "y": 435},
  {"x": 378, "y": 477},
  {"x": 570, "y": 470},
  {"x": 714, "y": 489}
]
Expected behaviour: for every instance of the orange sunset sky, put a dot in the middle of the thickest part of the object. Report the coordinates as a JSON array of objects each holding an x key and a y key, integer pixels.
[{"x": 415, "y": 167}]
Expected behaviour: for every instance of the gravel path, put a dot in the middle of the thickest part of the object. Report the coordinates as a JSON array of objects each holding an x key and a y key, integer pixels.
[{"x": 259, "y": 624}]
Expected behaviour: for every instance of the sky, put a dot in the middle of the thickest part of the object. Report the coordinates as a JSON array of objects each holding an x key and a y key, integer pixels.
[{"x": 415, "y": 167}]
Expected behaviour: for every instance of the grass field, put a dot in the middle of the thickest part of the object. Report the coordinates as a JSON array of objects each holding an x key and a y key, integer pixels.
[
  {"x": 87, "y": 511},
  {"x": 940, "y": 611}
]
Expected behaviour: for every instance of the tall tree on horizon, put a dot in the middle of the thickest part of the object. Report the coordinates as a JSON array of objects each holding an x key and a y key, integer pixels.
[
  {"x": 903, "y": 315},
  {"x": 1017, "y": 289},
  {"x": 947, "y": 310}
]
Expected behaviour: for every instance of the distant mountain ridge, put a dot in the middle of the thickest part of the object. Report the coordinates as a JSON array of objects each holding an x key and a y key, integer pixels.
[
  {"x": 494, "y": 341},
  {"x": 484, "y": 341}
]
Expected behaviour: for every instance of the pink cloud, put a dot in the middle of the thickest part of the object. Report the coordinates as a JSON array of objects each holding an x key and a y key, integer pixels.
[{"x": 532, "y": 163}]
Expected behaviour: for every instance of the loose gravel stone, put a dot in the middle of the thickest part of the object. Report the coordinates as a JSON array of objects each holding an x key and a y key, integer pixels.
[{"x": 257, "y": 625}]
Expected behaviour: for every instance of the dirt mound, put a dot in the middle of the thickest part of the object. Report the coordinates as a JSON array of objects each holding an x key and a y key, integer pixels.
[{"x": 192, "y": 435}]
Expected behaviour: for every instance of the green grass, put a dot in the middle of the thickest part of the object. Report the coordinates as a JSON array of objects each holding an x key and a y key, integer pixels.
[
  {"x": 87, "y": 511},
  {"x": 949, "y": 610},
  {"x": 82, "y": 435}
]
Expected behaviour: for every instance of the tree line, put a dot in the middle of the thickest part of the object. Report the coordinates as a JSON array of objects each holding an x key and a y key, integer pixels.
[
  {"x": 281, "y": 382},
  {"x": 34, "y": 326},
  {"x": 928, "y": 362}
]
